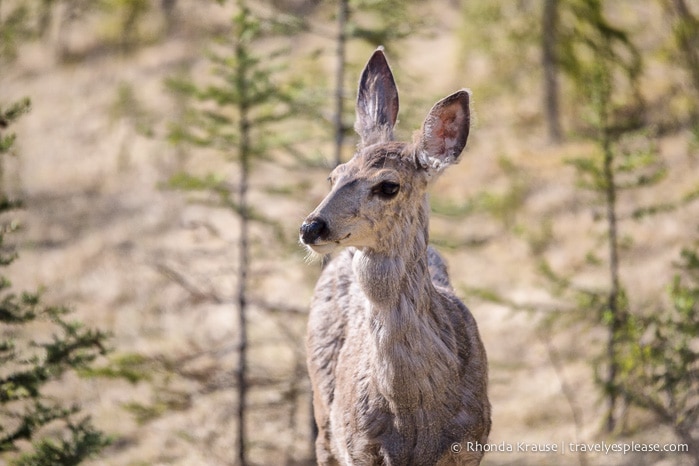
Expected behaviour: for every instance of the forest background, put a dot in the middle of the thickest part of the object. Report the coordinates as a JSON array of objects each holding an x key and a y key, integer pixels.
[{"x": 158, "y": 158}]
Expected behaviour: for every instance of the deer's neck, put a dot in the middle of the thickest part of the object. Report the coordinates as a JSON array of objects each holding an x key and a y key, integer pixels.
[{"x": 412, "y": 359}]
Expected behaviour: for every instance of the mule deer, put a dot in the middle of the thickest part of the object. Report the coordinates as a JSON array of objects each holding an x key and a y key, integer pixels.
[{"x": 398, "y": 370}]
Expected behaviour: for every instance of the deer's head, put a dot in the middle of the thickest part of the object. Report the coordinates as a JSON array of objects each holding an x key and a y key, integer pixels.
[{"x": 382, "y": 188}]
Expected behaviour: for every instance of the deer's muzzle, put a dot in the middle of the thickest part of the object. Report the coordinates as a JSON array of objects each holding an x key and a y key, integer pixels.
[{"x": 314, "y": 230}]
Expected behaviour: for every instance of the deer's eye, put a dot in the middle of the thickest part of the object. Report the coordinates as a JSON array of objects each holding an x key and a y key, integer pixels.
[{"x": 387, "y": 189}]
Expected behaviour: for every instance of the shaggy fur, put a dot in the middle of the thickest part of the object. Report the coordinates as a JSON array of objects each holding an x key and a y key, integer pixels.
[{"x": 399, "y": 372}]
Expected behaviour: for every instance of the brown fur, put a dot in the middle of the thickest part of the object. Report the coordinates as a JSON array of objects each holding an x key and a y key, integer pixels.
[{"x": 399, "y": 372}]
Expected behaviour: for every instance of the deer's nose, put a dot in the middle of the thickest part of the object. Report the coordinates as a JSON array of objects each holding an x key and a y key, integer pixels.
[{"x": 313, "y": 230}]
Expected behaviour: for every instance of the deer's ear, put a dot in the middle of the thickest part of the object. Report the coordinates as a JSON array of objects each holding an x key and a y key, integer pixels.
[
  {"x": 377, "y": 101},
  {"x": 444, "y": 132}
]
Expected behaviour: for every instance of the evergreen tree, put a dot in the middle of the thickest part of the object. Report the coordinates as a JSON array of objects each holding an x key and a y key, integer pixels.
[
  {"x": 622, "y": 163},
  {"x": 14, "y": 27},
  {"x": 603, "y": 64},
  {"x": 236, "y": 114},
  {"x": 686, "y": 34},
  {"x": 659, "y": 358},
  {"x": 597, "y": 54},
  {"x": 30, "y": 363},
  {"x": 7, "y": 117}
]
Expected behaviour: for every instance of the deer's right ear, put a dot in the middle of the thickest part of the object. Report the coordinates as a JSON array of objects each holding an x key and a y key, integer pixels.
[{"x": 377, "y": 101}]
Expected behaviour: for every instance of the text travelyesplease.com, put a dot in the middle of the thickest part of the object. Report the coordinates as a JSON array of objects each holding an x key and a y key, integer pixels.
[{"x": 574, "y": 447}]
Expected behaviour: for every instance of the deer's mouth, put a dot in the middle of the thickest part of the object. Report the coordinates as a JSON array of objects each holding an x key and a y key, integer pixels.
[{"x": 327, "y": 246}]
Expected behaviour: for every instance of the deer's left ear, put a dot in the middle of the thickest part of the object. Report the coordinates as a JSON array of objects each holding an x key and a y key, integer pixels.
[{"x": 444, "y": 132}]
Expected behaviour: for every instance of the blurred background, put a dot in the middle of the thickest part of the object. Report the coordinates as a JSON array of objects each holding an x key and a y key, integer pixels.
[{"x": 158, "y": 157}]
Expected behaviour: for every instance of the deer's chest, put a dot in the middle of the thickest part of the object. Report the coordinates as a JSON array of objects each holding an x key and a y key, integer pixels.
[
  {"x": 375, "y": 427},
  {"x": 369, "y": 433}
]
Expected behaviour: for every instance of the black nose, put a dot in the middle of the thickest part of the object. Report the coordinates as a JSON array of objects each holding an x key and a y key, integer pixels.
[{"x": 314, "y": 229}]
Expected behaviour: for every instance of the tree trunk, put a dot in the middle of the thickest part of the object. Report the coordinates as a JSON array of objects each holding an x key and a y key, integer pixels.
[
  {"x": 243, "y": 252},
  {"x": 342, "y": 17},
  {"x": 549, "y": 25},
  {"x": 616, "y": 317},
  {"x": 168, "y": 9},
  {"x": 687, "y": 35}
]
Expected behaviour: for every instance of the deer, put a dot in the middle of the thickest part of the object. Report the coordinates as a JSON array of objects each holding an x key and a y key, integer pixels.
[{"x": 397, "y": 366}]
